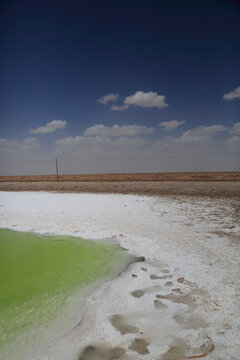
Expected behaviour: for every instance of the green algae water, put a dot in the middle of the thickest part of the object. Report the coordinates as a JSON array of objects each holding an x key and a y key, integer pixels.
[{"x": 42, "y": 279}]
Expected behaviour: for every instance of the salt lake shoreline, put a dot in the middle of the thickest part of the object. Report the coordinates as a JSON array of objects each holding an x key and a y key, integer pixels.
[{"x": 185, "y": 238}]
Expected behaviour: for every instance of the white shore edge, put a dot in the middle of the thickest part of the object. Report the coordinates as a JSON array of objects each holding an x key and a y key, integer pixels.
[{"x": 192, "y": 238}]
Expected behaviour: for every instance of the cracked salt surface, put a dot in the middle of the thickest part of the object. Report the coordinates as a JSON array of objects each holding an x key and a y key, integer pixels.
[{"x": 181, "y": 237}]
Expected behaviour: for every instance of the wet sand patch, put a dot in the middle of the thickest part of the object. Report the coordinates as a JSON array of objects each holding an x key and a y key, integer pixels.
[
  {"x": 165, "y": 271},
  {"x": 182, "y": 299},
  {"x": 178, "y": 291},
  {"x": 138, "y": 293},
  {"x": 192, "y": 322},
  {"x": 176, "y": 350},
  {"x": 156, "y": 277},
  {"x": 159, "y": 305},
  {"x": 140, "y": 346},
  {"x": 179, "y": 350},
  {"x": 186, "y": 282},
  {"x": 120, "y": 324},
  {"x": 101, "y": 352}
]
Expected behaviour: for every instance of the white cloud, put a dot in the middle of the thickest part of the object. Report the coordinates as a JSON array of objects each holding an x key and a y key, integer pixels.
[
  {"x": 117, "y": 130},
  {"x": 235, "y": 129},
  {"x": 110, "y": 97},
  {"x": 233, "y": 94},
  {"x": 49, "y": 127},
  {"x": 171, "y": 125},
  {"x": 119, "y": 107},
  {"x": 143, "y": 99},
  {"x": 146, "y": 99}
]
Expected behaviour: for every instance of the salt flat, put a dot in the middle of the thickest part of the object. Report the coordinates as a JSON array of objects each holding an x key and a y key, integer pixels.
[{"x": 186, "y": 291}]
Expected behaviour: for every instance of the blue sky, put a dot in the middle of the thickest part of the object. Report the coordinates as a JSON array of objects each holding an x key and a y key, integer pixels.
[{"x": 170, "y": 70}]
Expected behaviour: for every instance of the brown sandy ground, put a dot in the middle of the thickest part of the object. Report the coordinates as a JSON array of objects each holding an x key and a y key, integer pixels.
[
  {"x": 186, "y": 176},
  {"x": 221, "y": 184}
]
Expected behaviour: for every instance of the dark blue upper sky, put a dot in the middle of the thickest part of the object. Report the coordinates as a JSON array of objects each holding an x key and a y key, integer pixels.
[{"x": 59, "y": 57}]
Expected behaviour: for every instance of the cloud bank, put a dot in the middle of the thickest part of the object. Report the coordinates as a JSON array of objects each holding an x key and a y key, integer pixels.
[
  {"x": 200, "y": 133},
  {"x": 126, "y": 149},
  {"x": 28, "y": 143}
]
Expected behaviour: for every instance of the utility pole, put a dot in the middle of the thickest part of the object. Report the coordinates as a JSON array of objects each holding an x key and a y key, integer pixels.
[{"x": 56, "y": 167}]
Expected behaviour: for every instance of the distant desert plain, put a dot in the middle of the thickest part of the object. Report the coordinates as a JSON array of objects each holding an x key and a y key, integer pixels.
[{"x": 213, "y": 184}]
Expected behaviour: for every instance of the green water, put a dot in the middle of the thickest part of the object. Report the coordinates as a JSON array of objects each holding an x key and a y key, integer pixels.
[{"x": 39, "y": 279}]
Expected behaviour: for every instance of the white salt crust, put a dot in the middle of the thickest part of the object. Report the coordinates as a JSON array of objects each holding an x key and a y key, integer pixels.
[{"x": 193, "y": 238}]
